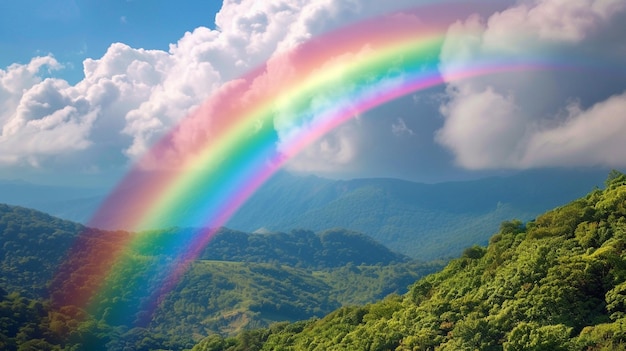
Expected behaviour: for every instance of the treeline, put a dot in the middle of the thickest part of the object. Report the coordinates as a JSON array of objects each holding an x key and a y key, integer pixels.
[
  {"x": 34, "y": 244},
  {"x": 214, "y": 297},
  {"x": 554, "y": 283},
  {"x": 31, "y": 324}
]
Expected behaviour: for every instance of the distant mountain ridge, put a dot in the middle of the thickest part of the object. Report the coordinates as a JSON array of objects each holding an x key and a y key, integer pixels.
[
  {"x": 424, "y": 221},
  {"x": 553, "y": 283},
  {"x": 35, "y": 243},
  {"x": 76, "y": 204}
]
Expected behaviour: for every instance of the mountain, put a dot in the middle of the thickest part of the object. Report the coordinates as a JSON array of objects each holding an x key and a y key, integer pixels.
[
  {"x": 240, "y": 281},
  {"x": 557, "y": 282},
  {"x": 553, "y": 283},
  {"x": 331, "y": 248},
  {"x": 425, "y": 221},
  {"x": 226, "y": 297},
  {"x": 71, "y": 203},
  {"x": 33, "y": 244}
]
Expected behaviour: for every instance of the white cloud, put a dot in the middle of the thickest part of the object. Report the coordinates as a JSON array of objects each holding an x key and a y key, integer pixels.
[
  {"x": 525, "y": 119},
  {"x": 483, "y": 128},
  {"x": 131, "y": 96},
  {"x": 40, "y": 117},
  {"x": 550, "y": 21},
  {"x": 333, "y": 153},
  {"x": 595, "y": 136},
  {"x": 399, "y": 128},
  {"x": 19, "y": 78}
]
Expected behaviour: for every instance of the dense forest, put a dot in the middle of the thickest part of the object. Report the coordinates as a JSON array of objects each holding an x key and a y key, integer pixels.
[
  {"x": 240, "y": 281},
  {"x": 555, "y": 283},
  {"x": 33, "y": 244}
]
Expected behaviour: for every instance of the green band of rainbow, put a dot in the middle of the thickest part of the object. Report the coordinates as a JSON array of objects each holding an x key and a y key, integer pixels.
[{"x": 214, "y": 160}]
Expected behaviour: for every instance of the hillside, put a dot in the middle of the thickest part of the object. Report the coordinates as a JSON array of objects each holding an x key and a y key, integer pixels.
[
  {"x": 240, "y": 281},
  {"x": 555, "y": 283},
  {"x": 229, "y": 297},
  {"x": 330, "y": 248},
  {"x": 33, "y": 244}
]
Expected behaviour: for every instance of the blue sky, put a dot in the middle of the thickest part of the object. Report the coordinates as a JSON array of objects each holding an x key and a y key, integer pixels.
[
  {"x": 148, "y": 63},
  {"x": 73, "y": 30}
]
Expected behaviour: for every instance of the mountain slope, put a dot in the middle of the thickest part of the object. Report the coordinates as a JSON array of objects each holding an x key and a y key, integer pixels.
[
  {"x": 229, "y": 297},
  {"x": 554, "y": 283},
  {"x": 33, "y": 244}
]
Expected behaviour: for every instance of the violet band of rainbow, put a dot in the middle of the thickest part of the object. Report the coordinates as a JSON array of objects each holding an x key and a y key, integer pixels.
[{"x": 205, "y": 169}]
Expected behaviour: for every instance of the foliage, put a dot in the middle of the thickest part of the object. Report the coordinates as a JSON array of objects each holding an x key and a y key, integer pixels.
[
  {"x": 33, "y": 244},
  {"x": 331, "y": 248},
  {"x": 555, "y": 283},
  {"x": 228, "y": 297},
  {"x": 27, "y": 324},
  {"x": 252, "y": 281}
]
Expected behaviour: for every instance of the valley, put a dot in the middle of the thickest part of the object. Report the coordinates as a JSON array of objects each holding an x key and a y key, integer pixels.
[{"x": 553, "y": 282}]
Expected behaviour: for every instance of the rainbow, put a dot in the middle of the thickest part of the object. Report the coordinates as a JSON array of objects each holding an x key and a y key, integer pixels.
[{"x": 204, "y": 169}]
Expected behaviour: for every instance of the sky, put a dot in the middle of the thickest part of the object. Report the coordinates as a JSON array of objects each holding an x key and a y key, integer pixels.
[{"x": 87, "y": 87}]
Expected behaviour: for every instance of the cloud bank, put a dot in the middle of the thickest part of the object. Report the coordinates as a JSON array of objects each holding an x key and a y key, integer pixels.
[
  {"x": 130, "y": 97},
  {"x": 524, "y": 120}
]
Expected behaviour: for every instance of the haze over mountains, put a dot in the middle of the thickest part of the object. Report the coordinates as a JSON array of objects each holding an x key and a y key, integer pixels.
[
  {"x": 553, "y": 283},
  {"x": 425, "y": 221}
]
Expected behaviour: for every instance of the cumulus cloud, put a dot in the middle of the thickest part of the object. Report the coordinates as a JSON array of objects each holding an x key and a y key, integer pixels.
[
  {"x": 19, "y": 78},
  {"x": 333, "y": 153},
  {"x": 40, "y": 117},
  {"x": 130, "y": 97},
  {"x": 525, "y": 119},
  {"x": 585, "y": 137}
]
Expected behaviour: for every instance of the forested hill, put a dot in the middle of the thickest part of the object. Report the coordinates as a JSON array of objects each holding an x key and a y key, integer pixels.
[
  {"x": 301, "y": 248},
  {"x": 555, "y": 283},
  {"x": 34, "y": 243}
]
